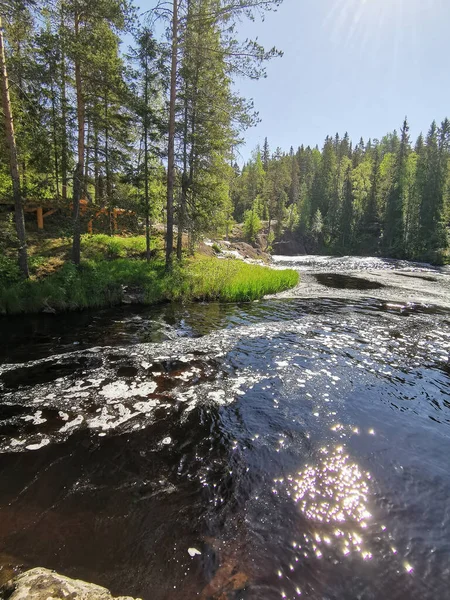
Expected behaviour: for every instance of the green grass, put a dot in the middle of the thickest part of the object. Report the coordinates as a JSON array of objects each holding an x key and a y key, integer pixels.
[
  {"x": 47, "y": 255},
  {"x": 232, "y": 280},
  {"x": 99, "y": 246},
  {"x": 99, "y": 283}
]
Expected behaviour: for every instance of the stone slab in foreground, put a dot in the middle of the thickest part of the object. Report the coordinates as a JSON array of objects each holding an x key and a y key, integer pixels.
[{"x": 42, "y": 584}]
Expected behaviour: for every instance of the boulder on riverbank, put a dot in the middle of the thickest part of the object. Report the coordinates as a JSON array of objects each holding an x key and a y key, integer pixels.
[{"x": 42, "y": 584}]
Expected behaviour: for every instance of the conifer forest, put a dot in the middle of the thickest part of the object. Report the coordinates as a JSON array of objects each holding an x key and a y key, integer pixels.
[
  {"x": 108, "y": 107},
  {"x": 225, "y": 328},
  {"x": 388, "y": 197}
]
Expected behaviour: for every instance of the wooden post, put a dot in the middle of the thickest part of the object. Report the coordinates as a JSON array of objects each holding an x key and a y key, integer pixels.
[{"x": 40, "y": 217}]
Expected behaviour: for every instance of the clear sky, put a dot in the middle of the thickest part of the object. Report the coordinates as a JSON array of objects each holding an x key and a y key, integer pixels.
[{"x": 349, "y": 65}]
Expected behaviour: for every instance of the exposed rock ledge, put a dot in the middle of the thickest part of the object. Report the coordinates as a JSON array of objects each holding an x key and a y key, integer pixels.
[{"x": 42, "y": 584}]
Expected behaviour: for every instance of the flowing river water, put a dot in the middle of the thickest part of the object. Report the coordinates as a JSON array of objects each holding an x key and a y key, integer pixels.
[{"x": 294, "y": 447}]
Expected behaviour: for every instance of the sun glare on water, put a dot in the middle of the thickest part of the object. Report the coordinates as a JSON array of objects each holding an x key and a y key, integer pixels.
[{"x": 334, "y": 493}]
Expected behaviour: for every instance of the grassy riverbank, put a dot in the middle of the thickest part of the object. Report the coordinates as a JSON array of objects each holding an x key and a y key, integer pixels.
[{"x": 113, "y": 270}]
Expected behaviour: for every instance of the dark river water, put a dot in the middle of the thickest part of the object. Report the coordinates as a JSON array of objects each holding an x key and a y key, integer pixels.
[{"x": 281, "y": 449}]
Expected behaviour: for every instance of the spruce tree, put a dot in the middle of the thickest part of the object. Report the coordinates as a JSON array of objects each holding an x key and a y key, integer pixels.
[
  {"x": 147, "y": 106},
  {"x": 433, "y": 172},
  {"x": 393, "y": 238},
  {"x": 294, "y": 186},
  {"x": 325, "y": 193},
  {"x": 266, "y": 155},
  {"x": 370, "y": 220},
  {"x": 347, "y": 211}
]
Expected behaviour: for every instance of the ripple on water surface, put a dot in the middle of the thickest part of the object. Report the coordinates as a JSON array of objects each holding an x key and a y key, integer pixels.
[
  {"x": 353, "y": 263},
  {"x": 296, "y": 451}
]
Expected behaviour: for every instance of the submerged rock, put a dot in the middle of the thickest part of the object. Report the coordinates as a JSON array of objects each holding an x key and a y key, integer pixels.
[{"x": 42, "y": 584}]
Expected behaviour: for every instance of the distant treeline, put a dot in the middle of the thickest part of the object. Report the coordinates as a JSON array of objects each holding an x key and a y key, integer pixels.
[{"x": 385, "y": 196}]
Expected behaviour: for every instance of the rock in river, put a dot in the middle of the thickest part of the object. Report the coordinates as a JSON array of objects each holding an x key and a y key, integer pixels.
[{"x": 42, "y": 584}]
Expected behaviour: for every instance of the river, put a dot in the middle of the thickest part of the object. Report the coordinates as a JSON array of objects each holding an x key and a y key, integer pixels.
[{"x": 293, "y": 447}]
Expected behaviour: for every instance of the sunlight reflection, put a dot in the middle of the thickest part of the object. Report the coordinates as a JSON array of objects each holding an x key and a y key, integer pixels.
[{"x": 334, "y": 492}]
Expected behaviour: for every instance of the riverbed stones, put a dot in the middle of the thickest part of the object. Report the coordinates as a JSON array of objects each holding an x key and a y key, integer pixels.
[{"x": 42, "y": 584}]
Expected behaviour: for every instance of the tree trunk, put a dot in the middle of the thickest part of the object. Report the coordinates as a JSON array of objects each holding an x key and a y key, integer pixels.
[
  {"x": 79, "y": 171},
  {"x": 22, "y": 99},
  {"x": 14, "y": 167},
  {"x": 181, "y": 223},
  {"x": 147, "y": 199},
  {"x": 107, "y": 169},
  {"x": 64, "y": 144},
  {"x": 24, "y": 189},
  {"x": 101, "y": 190},
  {"x": 171, "y": 149},
  {"x": 87, "y": 159},
  {"x": 96, "y": 166},
  {"x": 55, "y": 140},
  {"x": 184, "y": 181}
]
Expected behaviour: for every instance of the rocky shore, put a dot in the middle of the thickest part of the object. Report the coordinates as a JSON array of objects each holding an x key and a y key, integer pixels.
[{"x": 42, "y": 584}]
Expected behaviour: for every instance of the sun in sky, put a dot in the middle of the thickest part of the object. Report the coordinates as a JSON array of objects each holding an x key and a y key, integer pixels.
[{"x": 363, "y": 19}]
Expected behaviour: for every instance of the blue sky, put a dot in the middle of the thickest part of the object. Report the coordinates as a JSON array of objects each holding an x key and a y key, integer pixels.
[{"x": 349, "y": 65}]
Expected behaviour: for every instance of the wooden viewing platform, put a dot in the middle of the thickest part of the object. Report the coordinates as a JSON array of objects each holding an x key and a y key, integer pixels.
[
  {"x": 42, "y": 208},
  {"x": 45, "y": 208}
]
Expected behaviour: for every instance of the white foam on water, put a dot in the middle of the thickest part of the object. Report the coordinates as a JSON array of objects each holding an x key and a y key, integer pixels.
[
  {"x": 72, "y": 424},
  {"x": 119, "y": 390},
  {"x": 41, "y": 444},
  {"x": 35, "y": 419}
]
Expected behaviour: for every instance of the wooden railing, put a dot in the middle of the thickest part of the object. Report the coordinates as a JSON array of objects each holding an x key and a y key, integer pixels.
[{"x": 45, "y": 208}]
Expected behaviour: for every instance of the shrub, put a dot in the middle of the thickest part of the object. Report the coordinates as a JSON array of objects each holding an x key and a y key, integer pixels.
[
  {"x": 252, "y": 226},
  {"x": 8, "y": 236},
  {"x": 9, "y": 271},
  {"x": 270, "y": 241}
]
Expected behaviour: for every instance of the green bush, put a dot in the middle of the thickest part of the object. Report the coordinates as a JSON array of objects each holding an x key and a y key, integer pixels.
[
  {"x": 8, "y": 236},
  {"x": 252, "y": 226},
  {"x": 9, "y": 271},
  {"x": 270, "y": 241}
]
